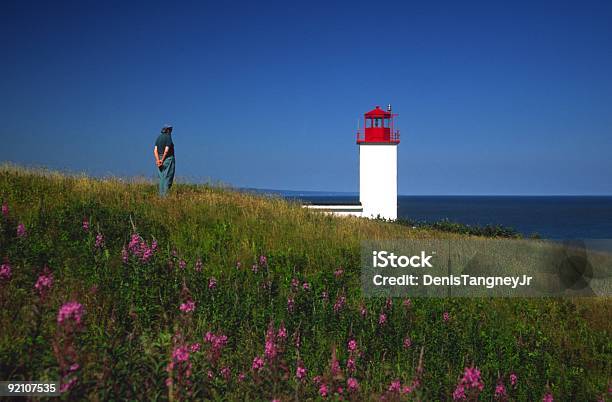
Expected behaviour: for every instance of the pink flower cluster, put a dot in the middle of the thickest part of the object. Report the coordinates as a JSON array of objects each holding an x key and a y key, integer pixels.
[
  {"x": 85, "y": 225},
  {"x": 21, "y": 230},
  {"x": 500, "y": 391},
  {"x": 99, "y": 240},
  {"x": 139, "y": 248},
  {"x": 258, "y": 363},
  {"x": 217, "y": 342},
  {"x": 300, "y": 372},
  {"x": 396, "y": 387},
  {"x": 179, "y": 370},
  {"x": 44, "y": 283},
  {"x": 212, "y": 283},
  {"x": 187, "y": 307},
  {"x": 548, "y": 398},
  {"x": 352, "y": 384},
  {"x": 180, "y": 354},
  {"x": 5, "y": 272},
  {"x": 339, "y": 304},
  {"x": 271, "y": 347},
  {"x": 5, "y": 209},
  {"x": 470, "y": 381},
  {"x": 70, "y": 311}
]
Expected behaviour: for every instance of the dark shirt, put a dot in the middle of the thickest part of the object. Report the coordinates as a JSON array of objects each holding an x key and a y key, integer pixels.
[{"x": 163, "y": 141}]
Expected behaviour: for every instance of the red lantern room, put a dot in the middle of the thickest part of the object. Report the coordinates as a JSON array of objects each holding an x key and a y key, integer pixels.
[{"x": 378, "y": 127}]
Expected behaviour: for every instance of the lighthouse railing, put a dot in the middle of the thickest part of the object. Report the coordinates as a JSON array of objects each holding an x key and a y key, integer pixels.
[{"x": 394, "y": 136}]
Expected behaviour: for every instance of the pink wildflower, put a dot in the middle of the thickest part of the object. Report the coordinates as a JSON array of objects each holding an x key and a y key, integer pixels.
[
  {"x": 323, "y": 390},
  {"x": 182, "y": 264},
  {"x": 548, "y": 398},
  {"x": 282, "y": 332},
  {"x": 226, "y": 373},
  {"x": 305, "y": 286},
  {"x": 290, "y": 304},
  {"x": 294, "y": 283},
  {"x": 21, "y": 230},
  {"x": 180, "y": 354},
  {"x": 188, "y": 306},
  {"x": 44, "y": 283},
  {"x": 258, "y": 363},
  {"x": 263, "y": 260},
  {"x": 338, "y": 273},
  {"x": 406, "y": 389},
  {"x": 66, "y": 386},
  {"x": 350, "y": 365},
  {"x": 459, "y": 393},
  {"x": 99, "y": 240},
  {"x": 339, "y": 304},
  {"x": 194, "y": 347},
  {"x": 407, "y": 303},
  {"x": 446, "y": 316},
  {"x": 352, "y": 384},
  {"x": 124, "y": 255},
  {"x": 5, "y": 209},
  {"x": 395, "y": 386},
  {"x": 85, "y": 225},
  {"x": 198, "y": 265},
  {"x": 407, "y": 343},
  {"x": 352, "y": 345},
  {"x": 382, "y": 319},
  {"x": 5, "y": 272},
  {"x": 300, "y": 372},
  {"x": 363, "y": 311},
  {"x": 470, "y": 380},
  {"x": 71, "y": 310},
  {"x": 513, "y": 379},
  {"x": 212, "y": 283},
  {"x": 500, "y": 391}
]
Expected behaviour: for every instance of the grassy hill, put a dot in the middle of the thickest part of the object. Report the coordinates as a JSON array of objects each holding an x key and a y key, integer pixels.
[{"x": 212, "y": 293}]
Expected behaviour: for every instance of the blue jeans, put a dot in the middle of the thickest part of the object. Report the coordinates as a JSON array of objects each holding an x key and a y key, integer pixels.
[{"x": 166, "y": 175}]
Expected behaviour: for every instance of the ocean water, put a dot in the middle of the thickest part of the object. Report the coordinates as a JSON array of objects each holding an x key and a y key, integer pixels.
[{"x": 552, "y": 217}]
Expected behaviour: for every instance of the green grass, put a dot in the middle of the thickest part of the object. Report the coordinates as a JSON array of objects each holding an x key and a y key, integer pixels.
[{"x": 132, "y": 322}]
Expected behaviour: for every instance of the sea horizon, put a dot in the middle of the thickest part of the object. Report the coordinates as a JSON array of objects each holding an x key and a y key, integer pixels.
[{"x": 549, "y": 216}]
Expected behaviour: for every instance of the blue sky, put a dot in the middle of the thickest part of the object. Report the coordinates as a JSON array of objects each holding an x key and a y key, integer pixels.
[{"x": 494, "y": 97}]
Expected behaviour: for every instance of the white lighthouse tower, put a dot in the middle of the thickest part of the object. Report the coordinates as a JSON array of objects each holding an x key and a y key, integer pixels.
[{"x": 378, "y": 164}]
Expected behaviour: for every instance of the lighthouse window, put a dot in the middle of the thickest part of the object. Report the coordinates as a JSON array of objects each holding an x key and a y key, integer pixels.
[
  {"x": 386, "y": 123},
  {"x": 368, "y": 123}
]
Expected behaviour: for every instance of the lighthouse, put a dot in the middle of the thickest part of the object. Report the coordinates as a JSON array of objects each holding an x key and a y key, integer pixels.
[{"x": 377, "y": 143}]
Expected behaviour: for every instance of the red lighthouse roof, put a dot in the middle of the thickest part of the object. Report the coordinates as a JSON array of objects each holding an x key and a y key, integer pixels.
[
  {"x": 377, "y": 112},
  {"x": 378, "y": 127}
]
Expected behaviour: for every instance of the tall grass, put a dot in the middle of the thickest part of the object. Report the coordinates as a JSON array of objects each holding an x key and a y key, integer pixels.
[{"x": 279, "y": 281}]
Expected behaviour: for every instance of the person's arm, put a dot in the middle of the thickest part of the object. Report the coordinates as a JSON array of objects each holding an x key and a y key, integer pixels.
[
  {"x": 163, "y": 158},
  {"x": 157, "y": 161}
]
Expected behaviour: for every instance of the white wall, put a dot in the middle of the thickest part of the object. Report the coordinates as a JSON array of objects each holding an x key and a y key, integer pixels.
[{"x": 378, "y": 180}]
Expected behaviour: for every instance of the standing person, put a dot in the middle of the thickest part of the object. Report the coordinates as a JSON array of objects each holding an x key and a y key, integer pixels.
[{"x": 164, "y": 159}]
